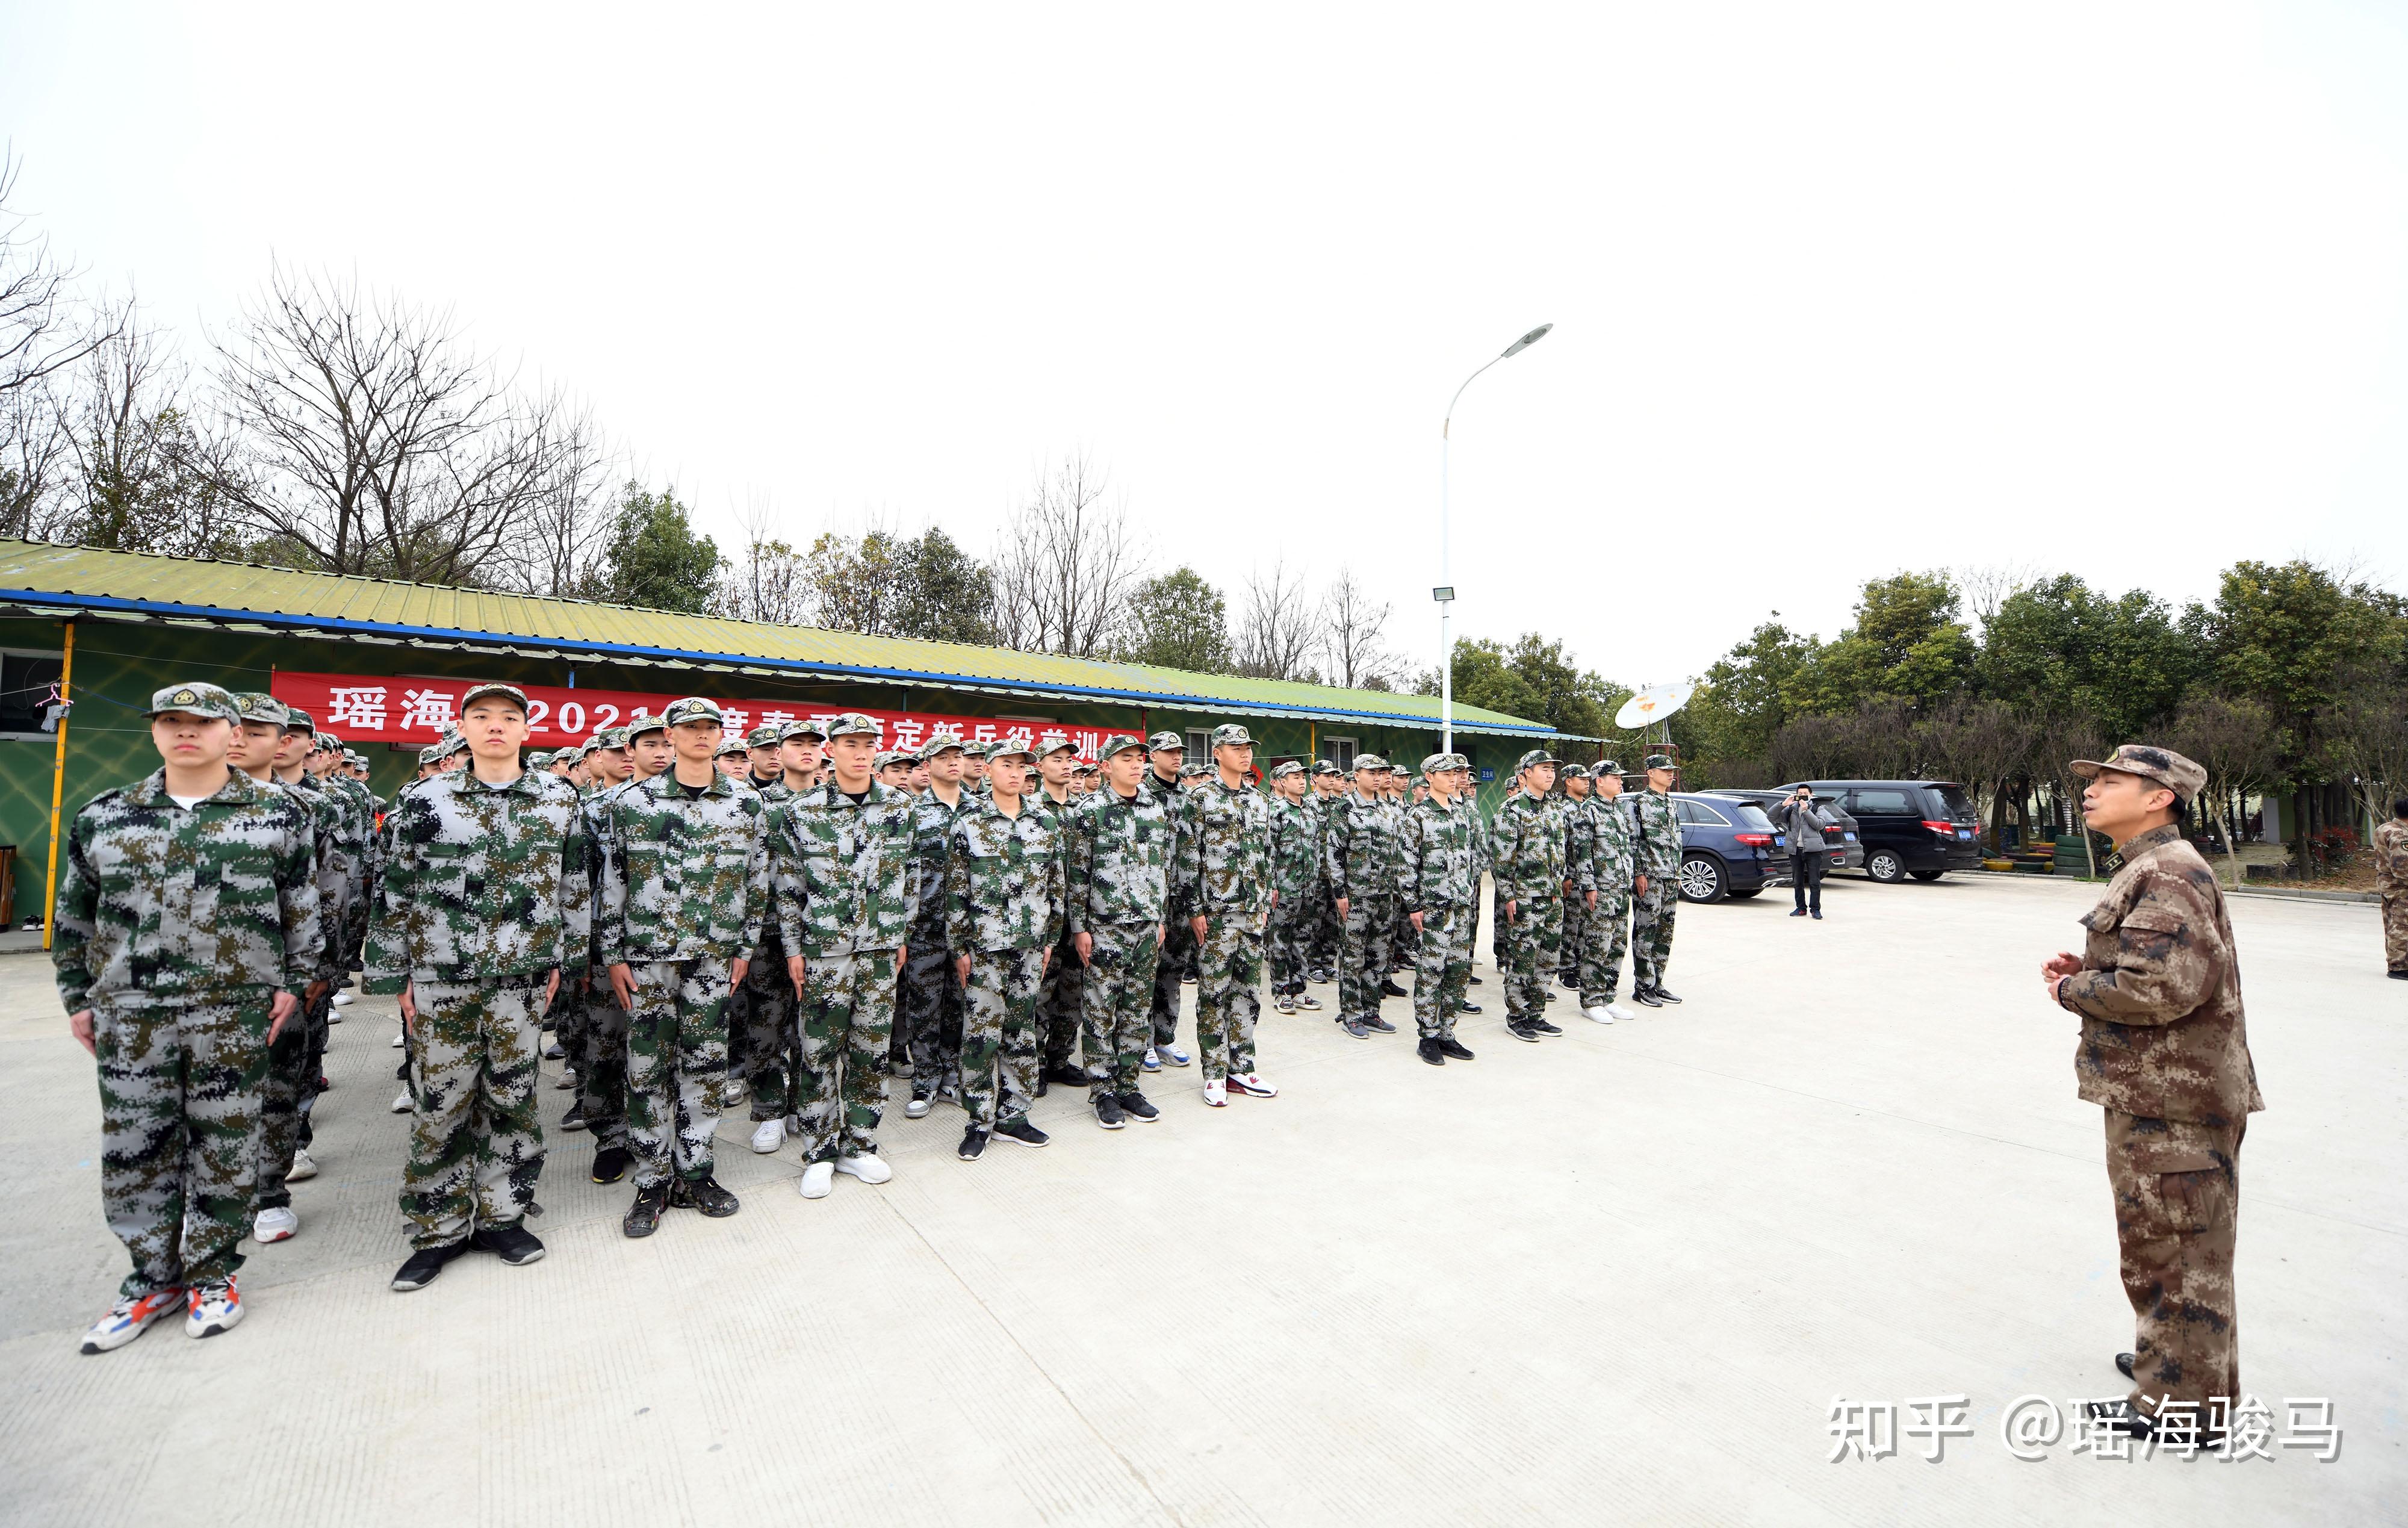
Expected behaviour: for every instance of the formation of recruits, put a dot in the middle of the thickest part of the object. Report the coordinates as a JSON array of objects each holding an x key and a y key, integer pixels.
[{"x": 778, "y": 921}]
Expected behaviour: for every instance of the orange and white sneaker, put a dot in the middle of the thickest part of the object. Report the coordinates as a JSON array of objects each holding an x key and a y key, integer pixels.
[
  {"x": 216, "y": 1307},
  {"x": 1252, "y": 1085},
  {"x": 129, "y": 1319}
]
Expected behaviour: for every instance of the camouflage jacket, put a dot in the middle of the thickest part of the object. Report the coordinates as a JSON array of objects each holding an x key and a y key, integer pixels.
[
  {"x": 335, "y": 862},
  {"x": 483, "y": 883},
  {"x": 844, "y": 873},
  {"x": 1223, "y": 864},
  {"x": 359, "y": 846},
  {"x": 1529, "y": 839},
  {"x": 1118, "y": 874},
  {"x": 1294, "y": 851},
  {"x": 2391, "y": 857},
  {"x": 1654, "y": 834},
  {"x": 160, "y": 904},
  {"x": 2159, "y": 993},
  {"x": 683, "y": 877},
  {"x": 1359, "y": 852},
  {"x": 1004, "y": 879},
  {"x": 1602, "y": 847},
  {"x": 1440, "y": 863},
  {"x": 932, "y": 823}
]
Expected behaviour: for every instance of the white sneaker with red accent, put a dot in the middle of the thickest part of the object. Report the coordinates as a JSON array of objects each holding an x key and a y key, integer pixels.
[
  {"x": 276, "y": 1224},
  {"x": 129, "y": 1319},
  {"x": 1215, "y": 1094},
  {"x": 1252, "y": 1085},
  {"x": 215, "y": 1307}
]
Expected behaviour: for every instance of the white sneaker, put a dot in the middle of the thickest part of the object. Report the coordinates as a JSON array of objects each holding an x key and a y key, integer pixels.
[
  {"x": 1250, "y": 1084},
  {"x": 399, "y": 1039},
  {"x": 1173, "y": 1055},
  {"x": 274, "y": 1225},
  {"x": 343, "y": 998},
  {"x": 215, "y": 1308},
  {"x": 304, "y": 1168},
  {"x": 869, "y": 1168},
  {"x": 1152, "y": 1059},
  {"x": 768, "y": 1135},
  {"x": 401, "y": 1104},
  {"x": 1600, "y": 1014},
  {"x": 1618, "y": 1011},
  {"x": 1216, "y": 1095},
  {"x": 818, "y": 1179},
  {"x": 918, "y": 1106},
  {"x": 129, "y": 1319}
]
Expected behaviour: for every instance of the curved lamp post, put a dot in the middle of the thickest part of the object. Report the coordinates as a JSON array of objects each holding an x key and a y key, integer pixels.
[{"x": 1445, "y": 591}]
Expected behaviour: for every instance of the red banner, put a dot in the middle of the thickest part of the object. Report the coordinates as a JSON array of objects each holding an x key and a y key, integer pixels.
[{"x": 367, "y": 708}]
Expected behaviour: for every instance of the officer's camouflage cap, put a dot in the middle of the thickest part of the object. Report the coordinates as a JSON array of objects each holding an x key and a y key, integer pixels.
[
  {"x": 2163, "y": 765},
  {"x": 693, "y": 708},
  {"x": 727, "y": 746},
  {"x": 1324, "y": 766},
  {"x": 764, "y": 736},
  {"x": 1119, "y": 743},
  {"x": 1369, "y": 764},
  {"x": 511, "y": 693},
  {"x": 642, "y": 723},
  {"x": 1161, "y": 740},
  {"x": 1229, "y": 734},
  {"x": 254, "y": 706},
  {"x": 1534, "y": 758},
  {"x": 610, "y": 737},
  {"x": 1054, "y": 743},
  {"x": 938, "y": 744},
  {"x": 853, "y": 724},
  {"x": 804, "y": 729},
  {"x": 1284, "y": 771},
  {"x": 1659, "y": 762}
]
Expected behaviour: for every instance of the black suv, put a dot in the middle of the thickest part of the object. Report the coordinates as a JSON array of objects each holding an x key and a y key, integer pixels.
[{"x": 1919, "y": 827}]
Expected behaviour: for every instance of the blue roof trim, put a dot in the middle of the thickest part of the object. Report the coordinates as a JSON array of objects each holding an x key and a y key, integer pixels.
[{"x": 391, "y": 629}]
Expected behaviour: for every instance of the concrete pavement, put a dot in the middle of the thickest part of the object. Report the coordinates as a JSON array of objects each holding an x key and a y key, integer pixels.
[{"x": 1620, "y": 1276}]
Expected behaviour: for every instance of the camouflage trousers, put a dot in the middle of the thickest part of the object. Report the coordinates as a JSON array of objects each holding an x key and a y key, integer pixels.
[
  {"x": 1532, "y": 939},
  {"x": 321, "y": 1031},
  {"x": 1059, "y": 1007},
  {"x": 1113, "y": 994},
  {"x": 1364, "y": 961},
  {"x": 2395, "y": 931},
  {"x": 476, "y": 1140},
  {"x": 1402, "y": 940},
  {"x": 928, "y": 1009},
  {"x": 999, "y": 1034},
  {"x": 599, "y": 1058},
  {"x": 1604, "y": 935},
  {"x": 2177, "y": 1191},
  {"x": 1576, "y": 921},
  {"x": 1326, "y": 931},
  {"x": 1170, "y": 972},
  {"x": 1650, "y": 930},
  {"x": 1441, "y": 970},
  {"x": 279, "y": 1114},
  {"x": 1284, "y": 939},
  {"x": 677, "y": 1066},
  {"x": 1228, "y": 994},
  {"x": 179, "y": 1132},
  {"x": 847, "y": 1019},
  {"x": 773, "y": 1042}
]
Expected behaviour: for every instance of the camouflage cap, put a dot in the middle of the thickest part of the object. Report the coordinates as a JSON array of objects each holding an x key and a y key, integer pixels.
[
  {"x": 1008, "y": 748},
  {"x": 2163, "y": 765},
  {"x": 1230, "y": 735},
  {"x": 1573, "y": 772},
  {"x": 1436, "y": 762},
  {"x": 449, "y": 743},
  {"x": 765, "y": 735},
  {"x": 1193, "y": 771},
  {"x": 1119, "y": 743},
  {"x": 1369, "y": 764},
  {"x": 1054, "y": 743},
  {"x": 727, "y": 746},
  {"x": 889, "y": 756},
  {"x": 693, "y": 708},
  {"x": 298, "y": 720},
  {"x": 1605, "y": 766},
  {"x": 1324, "y": 766},
  {"x": 1534, "y": 758},
  {"x": 1461, "y": 762},
  {"x": 352, "y": 758},
  {"x": 255, "y": 706},
  {"x": 643, "y": 722},
  {"x": 1659, "y": 762},
  {"x": 511, "y": 693},
  {"x": 1162, "y": 740},
  {"x": 1282, "y": 771},
  {"x": 540, "y": 758},
  {"x": 853, "y": 724},
  {"x": 976, "y": 748},
  {"x": 610, "y": 737},
  {"x": 431, "y": 754},
  {"x": 330, "y": 740},
  {"x": 938, "y": 744},
  {"x": 804, "y": 729}
]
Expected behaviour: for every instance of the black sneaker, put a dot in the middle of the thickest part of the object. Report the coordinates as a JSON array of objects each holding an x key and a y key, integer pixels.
[
  {"x": 514, "y": 1244},
  {"x": 611, "y": 1163},
  {"x": 1390, "y": 989},
  {"x": 1665, "y": 994},
  {"x": 1645, "y": 996},
  {"x": 973, "y": 1145},
  {"x": 1139, "y": 1107},
  {"x": 704, "y": 1194},
  {"x": 1467, "y": 1006},
  {"x": 1067, "y": 1075},
  {"x": 1520, "y": 1030},
  {"x": 644, "y": 1215},
  {"x": 574, "y": 1119},
  {"x": 1551, "y": 996},
  {"x": 1454, "y": 1051},
  {"x": 1374, "y": 1022},
  {"x": 423, "y": 1265},
  {"x": 1541, "y": 1025},
  {"x": 1020, "y": 1130},
  {"x": 1475, "y": 981},
  {"x": 1354, "y": 1027},
  {"x": 1108, "y": 1113},
  {"x": 1429, "y": 1051}
]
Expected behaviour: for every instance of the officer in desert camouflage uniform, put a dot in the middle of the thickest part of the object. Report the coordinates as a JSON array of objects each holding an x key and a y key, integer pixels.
[
  {"x": 1296, "y": 873},
  {"x": 2391, "y": 883},
  {"x": 1439, "y": 883},
  {"x": 686, "y": 883},
  {"x": 1528, "y": 840},
  {"x": 2165, "y": 1051},
  {"x": 843, "y": 857},
  {"x": 1004, "y": 869},
  {"x": 186, "y": 933},
  {"x": 1359, "y": 857},
  {"x": 928, "y": 1001},
  {"x": 1116, "y": 897},
  {"x": 484, "y": 904},
  {"x": 1220, "y": 884},
  {"x": 1057, "y": 1005},
  {"x": 1603, "y": 865},
  {"x": 1656, "y": 884}
]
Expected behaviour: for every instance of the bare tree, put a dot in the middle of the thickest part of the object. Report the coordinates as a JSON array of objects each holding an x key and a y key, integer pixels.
[
  {"x": 768, "y": 581},
  {"x": 1354, "y": 632},
  {"x": 378, "y": 443},
  {"x": 145, "y": 476},
  {"x": 36, "y": 459},
  {"x": 1065, "y": 565},
  {"x": 2368, "y": 731},
  {"x": 43, "y": 330},
  {"x": 1992, "y": 585},
  {"x": 1279, "y": 628},
  {"x": 556, "y": 550}
]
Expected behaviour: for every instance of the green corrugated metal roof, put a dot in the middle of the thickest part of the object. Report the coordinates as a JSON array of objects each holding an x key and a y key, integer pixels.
[{"x": 67, "y": 579}]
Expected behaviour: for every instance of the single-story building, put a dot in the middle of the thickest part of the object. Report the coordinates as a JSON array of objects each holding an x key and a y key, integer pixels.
[{"x": 382, "y": 662}]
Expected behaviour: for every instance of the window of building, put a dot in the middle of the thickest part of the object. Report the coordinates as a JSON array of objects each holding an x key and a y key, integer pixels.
[
  {"x": 25, "y": 681},
  {"x": 1338, "y": 751},
  {"x": 1199, "y": 745}
]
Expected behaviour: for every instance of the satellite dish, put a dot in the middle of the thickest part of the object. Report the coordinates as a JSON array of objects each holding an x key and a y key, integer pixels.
[{"x": 1653, "y": 704}]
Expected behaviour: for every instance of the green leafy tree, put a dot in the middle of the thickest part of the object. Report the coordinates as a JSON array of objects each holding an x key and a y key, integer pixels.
[
  {"x": 947, "y": 593},
  {"x": 1534, "y": 679},
  {"x": 1907, "y": 644},
  {"x": 1178, "y": 620},
  {"x": 2127, "y": 661},
  {"x": 655, "y": 558}
]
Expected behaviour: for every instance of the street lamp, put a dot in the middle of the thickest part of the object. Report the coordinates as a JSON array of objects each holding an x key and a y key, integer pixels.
[{"x": 1445, "y": 593}]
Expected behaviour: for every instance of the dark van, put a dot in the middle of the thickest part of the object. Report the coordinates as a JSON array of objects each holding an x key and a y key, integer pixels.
[{"x": 1919, "y": 827}]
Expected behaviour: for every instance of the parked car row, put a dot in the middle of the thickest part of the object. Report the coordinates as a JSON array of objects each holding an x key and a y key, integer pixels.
[{"x": 1893, "y": 829}]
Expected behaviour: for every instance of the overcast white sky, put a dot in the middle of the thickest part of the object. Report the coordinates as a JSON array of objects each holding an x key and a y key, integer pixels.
[{"x": 1837, "y": 290}]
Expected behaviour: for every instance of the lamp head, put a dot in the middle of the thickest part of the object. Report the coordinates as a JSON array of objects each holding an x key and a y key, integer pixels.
[{"x": 1518, "y": 346}]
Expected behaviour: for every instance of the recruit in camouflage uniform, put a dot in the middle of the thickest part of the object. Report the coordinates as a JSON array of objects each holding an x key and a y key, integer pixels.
[
  {"x": 1003, "y": 917},
  {"x": 485, "y": 901},
  {"x": 595, "y": 1039},
  {"x": 2165, "y": 1051},
  {"x": 1326, "y": 935},
  {"x": 1117, "y": 895},
  {"x": 685, "y": 884},
  {"x": 1439, "y": 880},
  {"x": 1295, "y": 875},
  {"x": 1359, "y": 854},
  {"x": 1528, "y": 840},
  {"x": 845, "y": 897},
  {"x": 1058, "y": 1006},
  {"x": 1222, "y": 880},
  {"x": 1603, "y": 864},
  {"x": 1178, "y": 956},
  {"x": 928, "y": 999},
  {"x": 2391, "y": 882},
  {"x": 771, "y": 1044},
  {"x": 179, "y": 931},
  {"x": 1655, "y": 855}
]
